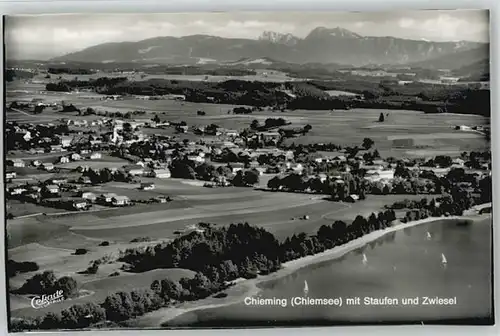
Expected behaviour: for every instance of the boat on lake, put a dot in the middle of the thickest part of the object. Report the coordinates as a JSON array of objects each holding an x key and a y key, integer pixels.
[{"x": 443, "y": 259}]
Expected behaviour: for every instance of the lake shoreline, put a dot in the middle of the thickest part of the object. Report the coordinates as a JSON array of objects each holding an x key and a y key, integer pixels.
[{"x": 243, "y": 288}]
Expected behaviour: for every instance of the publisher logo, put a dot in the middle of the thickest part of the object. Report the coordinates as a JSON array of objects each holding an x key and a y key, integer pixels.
[{"x": 45, "y": 300}]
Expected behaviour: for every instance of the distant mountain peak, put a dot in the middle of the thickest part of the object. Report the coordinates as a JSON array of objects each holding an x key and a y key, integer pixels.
[
  {"x": 322, "y": 32},
  {"x": 322, "y": 45},
  {"x": 279, "y": 38}
]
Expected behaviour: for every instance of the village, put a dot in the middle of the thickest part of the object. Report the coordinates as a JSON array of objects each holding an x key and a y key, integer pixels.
[{"x": 67, "y": 164}]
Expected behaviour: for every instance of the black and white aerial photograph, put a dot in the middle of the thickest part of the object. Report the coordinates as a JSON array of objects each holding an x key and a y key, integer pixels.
[{"x": 247, "y": 169}]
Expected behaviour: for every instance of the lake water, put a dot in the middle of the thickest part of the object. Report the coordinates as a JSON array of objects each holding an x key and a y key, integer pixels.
[{"x": 402, "y": 264}]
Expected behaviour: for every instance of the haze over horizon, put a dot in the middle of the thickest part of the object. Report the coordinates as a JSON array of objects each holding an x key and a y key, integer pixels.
[{"x": 45, "y": 36}]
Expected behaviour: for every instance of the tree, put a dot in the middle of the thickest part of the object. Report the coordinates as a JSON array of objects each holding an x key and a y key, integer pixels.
[
  {"x": 156, "y": 286},
  {"x": 156, "y": 119},
  {"x": 251, "y": 177},
  {"x": 39, "y": 109},
  {"x": 368, "y": 143},
  {"x": 200, "y": 285},
  {"x": 118, "y": 306},
  {"x": 127, "y": 127},
  {"x": 51, "y": 321},
  {"x": 255, "y": 124},
  {"x": 362, "y": 194},
  {"x": 228, "y": 270},
  {"x": 170, "y": 289},
  {"x": 205, "y": 171},
  {"x": 238, "y": 179},
  {"x": 274, "y": 183},
  {"x": 68, "y": 285},
  {"x": 40, "y": 283},
  {"x": 381, "y": 118}
]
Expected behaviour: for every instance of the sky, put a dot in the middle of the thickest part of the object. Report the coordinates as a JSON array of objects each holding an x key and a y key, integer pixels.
[{"x": 45, "y": 36}]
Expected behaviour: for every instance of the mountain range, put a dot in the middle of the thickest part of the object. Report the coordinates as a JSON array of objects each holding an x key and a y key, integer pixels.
[{"x": 321, "y": 45}]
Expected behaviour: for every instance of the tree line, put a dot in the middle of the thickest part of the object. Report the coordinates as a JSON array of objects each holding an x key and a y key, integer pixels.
[{"x": 307, "y": 95}]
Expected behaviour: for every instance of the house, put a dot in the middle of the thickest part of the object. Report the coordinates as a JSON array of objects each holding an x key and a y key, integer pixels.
[
  {"x": 10, "y": 175},
  {"x": 120, "y": 200},
  {"x": 196, "y": 158},
  {"x": 48, "y": 166},
  {"x": 82, "y": 169},
  {"x": 375, "y": 175},
  {"x": 58, "y": 180},
  {"x": 80, "y": 123},
  {"x": 56, "y": 148},
  {"x": 160, "y": 199},
  {"x": 182, "y": 129},
  {"x": 52, "y": 189},
  {"x": 80, "y": 204},
  {"x": 106, "y": 198},
  {"x": 63, "y": 159},
  {"x": 17, "y": 190},
  {"x": 267, "y": 136},
  {"x": 66, "y": 141},
  {"x": 298, "y": 167},
  {"x": 95, "y": 156},
  {"x": 18, "y": 163},
  {"x": 85, "y": 180},
  {"x": 35, "y": 188},
  {"x": 254, "y": 164},
  {"x": 76, "y": 157},
  {"x": 26, "y": 135},
  {"x": 34, "y": 196},
  {"x": 147, "y": 186},
  {"x": 36, "y": 163},
  {"x": 134, "y": 170},
  {"x": 231, "y": 133},
  {"x": 352, "y": 198},
  {"x": 463, "y": 128},
  {"x": 458, "y": 162},
  {"x": 161, "y": 173},
  {"x": 236, "y": 166}
]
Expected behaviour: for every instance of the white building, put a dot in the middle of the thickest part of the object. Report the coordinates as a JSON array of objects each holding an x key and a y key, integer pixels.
[
  {"x": 196, "y": 158},
  {"x": 18, "y": 163},
  {"x": 147, "y": 186},
  {"x": 89, "y": 196},
  {"x": 120, "y": 200},
  {"x": 134, "y": 170},
  {"x": 375, "y": 175},
  {"x": 107, "y": 198},
  {"x": 80, "y": 204},
  {"x": 63, "y": 159},
  {"x": 95, "y": 156},
  {"x": 10, "y": 175},
  {"x": 52, "y": 188},
  {"x": 48, "y": 166},
  {"x": 17, "y": 190},
  {"x": 162, "y": 173},
  {"x": 66, "y": 141}
]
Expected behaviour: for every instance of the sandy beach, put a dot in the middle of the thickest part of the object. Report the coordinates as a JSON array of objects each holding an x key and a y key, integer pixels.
[{"x": 247, "y": 288}]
